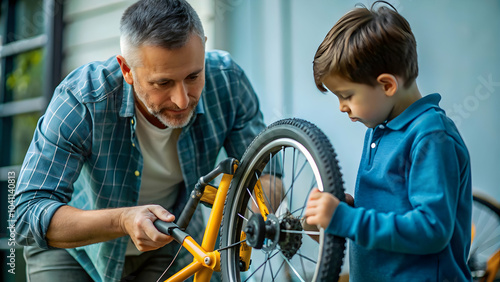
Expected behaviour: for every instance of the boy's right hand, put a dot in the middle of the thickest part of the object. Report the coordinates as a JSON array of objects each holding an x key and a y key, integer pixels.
[
  {"x": 138, "y": 223},
  {"x": 321, "y": 206}
]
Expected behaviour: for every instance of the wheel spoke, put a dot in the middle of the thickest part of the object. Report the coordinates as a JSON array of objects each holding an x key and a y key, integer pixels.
[
  {"x": 262, "y": 264},
  {"x": 279, "y": 269},
  {"x": 493, "y": 242},
  {"x": 288, "y": 191},
  {"x": 253, "y": 199},
  {"x": 302, "y": 264},
  {"x": 265, "y": 196},
  {"x": 307, "y": 258},
  {"x": 250, "y": 210},
  {"x": 264, "y": 269},
  {"x": 483, "y": 225},
  {"x": 486, "y": 227},
  {"x": 305, "y": 203},
  {"x": 292, "y": 268},
  {"x": 314, "y": 183},
  {"x": 270, "y": 268},
  {"x": 295, "y": 176},
  {"x": 301, "y": 209},
  {"x": 242, "y": 217},
  {"x": 302, "y": 232}
]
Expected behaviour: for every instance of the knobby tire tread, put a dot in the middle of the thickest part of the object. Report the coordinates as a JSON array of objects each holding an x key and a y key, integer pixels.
[{"x": 319, "y": 145}]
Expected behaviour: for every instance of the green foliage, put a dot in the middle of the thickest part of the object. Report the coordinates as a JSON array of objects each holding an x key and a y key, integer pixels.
[{"x": 25, "y": 81}]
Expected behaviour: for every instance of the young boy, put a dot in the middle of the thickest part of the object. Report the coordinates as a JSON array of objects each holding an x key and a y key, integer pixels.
[{"x": 411, "y": 219}]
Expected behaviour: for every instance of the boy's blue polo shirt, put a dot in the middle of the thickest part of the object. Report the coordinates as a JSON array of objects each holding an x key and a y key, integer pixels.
[{"x": 413, "y": 200}]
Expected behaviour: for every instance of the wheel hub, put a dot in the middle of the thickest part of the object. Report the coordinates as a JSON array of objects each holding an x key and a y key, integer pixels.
[
  {"x": 263, "y": 235},
  {"x": 268, "y": 234}
]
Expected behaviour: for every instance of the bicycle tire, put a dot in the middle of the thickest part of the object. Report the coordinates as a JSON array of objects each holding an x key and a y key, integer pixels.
[
  {"x": 484, "y": 200},
  {"x": 276, "y": 142},
  {"x": 486, "y": 219}
]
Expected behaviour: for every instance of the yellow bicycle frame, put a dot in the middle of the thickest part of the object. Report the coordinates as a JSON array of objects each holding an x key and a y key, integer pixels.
[
  {"x": 206, "y": 259},
  {"x": 259, "y": 197}
]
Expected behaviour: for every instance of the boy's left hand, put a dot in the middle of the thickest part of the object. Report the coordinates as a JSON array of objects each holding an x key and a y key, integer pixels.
[{"x": 320, "y": 208}]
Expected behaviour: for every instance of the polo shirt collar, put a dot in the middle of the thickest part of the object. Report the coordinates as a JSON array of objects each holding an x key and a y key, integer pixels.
[{"x": 414, "y": 110}]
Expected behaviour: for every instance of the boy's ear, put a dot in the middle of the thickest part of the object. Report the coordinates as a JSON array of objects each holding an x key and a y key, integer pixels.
[
  {"x": 389, "y": 83},
  {"x": 126, "y": 70}
]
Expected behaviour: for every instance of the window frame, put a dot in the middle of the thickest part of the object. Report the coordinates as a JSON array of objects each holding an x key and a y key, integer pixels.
[{"x": 51, "y": 41}]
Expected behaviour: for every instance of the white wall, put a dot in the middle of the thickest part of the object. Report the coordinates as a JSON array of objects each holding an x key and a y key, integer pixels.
[
  {"x": 92, "y": 30},
  {"x": 458, "y": 46},
  {"x": 275, "y": 41}
]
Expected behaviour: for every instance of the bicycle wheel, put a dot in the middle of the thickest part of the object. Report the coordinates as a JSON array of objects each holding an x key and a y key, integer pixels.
[
  {"x": 297, "y": 157},
  {"x": 486, "y": 242}
]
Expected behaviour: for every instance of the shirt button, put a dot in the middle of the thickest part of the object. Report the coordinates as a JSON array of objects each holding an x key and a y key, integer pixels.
[
  {"x": 381, "y": 126},
  {"x": 373, "y": 145},
  {"x": 137, "y": 173},
  {"x": 132, "y": 121},
  {"x": 133, "y": 144}
]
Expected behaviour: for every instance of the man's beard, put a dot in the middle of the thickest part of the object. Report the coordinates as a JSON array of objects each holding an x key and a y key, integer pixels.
[
  {"x": 161, "y": 113},
  {"x": 172, "y": 122}
]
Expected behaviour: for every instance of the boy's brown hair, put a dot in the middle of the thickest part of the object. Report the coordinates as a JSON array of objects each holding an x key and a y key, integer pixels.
[{"x": 365, "y": 43}]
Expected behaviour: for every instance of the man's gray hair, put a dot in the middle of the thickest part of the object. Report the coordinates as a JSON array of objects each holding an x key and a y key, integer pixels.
[{"x": 162, "y": 23}]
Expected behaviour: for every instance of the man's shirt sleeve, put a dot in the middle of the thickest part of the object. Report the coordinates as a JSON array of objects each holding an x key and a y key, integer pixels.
[
  {"x": 248, "y": 120},
  {"x": 51, "y": 166}
]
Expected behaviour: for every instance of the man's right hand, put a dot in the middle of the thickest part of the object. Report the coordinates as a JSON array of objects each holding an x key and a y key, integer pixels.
[
  {"x": 71, "y": 227},
  {"x": 138, "y": 223}
]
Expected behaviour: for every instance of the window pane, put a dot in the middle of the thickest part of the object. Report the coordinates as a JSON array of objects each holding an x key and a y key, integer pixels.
[
  {"x": 26, "y": 78},
  {"x": 29, "y": 20},
  {"x": 23, "y": 127},
  {"x": 3, "y": 15}
]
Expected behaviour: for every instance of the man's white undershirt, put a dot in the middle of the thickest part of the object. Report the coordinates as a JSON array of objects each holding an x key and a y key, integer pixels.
[{"x": 161, "y": 173}]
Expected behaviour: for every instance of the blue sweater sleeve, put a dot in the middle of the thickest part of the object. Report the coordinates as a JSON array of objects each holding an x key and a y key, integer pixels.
[{"x": 433, "y": 183}]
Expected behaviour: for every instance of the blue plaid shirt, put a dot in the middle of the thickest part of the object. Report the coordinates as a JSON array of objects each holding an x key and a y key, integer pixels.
[{"x": 84, "y": 151}]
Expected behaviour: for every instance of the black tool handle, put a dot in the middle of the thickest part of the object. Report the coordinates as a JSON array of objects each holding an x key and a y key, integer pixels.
[{"x": 171, "y": 229}]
